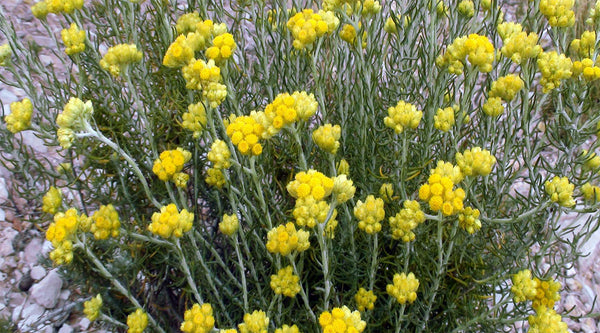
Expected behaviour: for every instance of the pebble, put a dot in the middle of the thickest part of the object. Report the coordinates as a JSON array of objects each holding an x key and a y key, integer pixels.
[
  {"x": 32, "y": 251},
  {"x": 66, "y": 329},
  {"x": 25, "y": 282},
  {"x": 37, "y": 272},
  {"x": 46, "y": 292}
]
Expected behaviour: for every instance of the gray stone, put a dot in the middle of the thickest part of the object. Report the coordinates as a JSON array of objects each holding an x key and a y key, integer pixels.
[
  {"x": 84, "y": 323},
  {"x": 7, "y": 97},
  {"x": 16, "y": 314},
  {"x": 6, "y": 247},
  {"x": 66, "y": 329},
  {"x": 46, "y": 292},
  {"x": 32, "y": 251},
  {"x": 34, "y": 142},
  {"x": 64, "y": 295},
  {"x": 31, "y": 314},
  {"x": 37, "y": 272}
]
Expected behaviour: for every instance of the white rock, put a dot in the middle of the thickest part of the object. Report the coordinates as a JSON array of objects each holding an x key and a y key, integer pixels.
[
  {"x": 45, "y": 293},
  {"x": 66, "y": 329},
  {"x": 64, "y": 295},
  {"x": 7, "y": 96},
  {"x": 37, "y": 272},
  {"x": 84, "y": 323},
  {"x": 16, "y": 314},
  {"x": 31, "y": 314},
  {"x": 8, "y": 234},
  {"x": 32, "y": 251},
  {"x": 2, "y": 215},
  {"x": 46, "y": 248}
]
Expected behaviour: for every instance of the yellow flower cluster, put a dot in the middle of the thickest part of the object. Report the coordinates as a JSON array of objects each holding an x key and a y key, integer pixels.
[
  {"x": 118, "y": 58},
  {"x": 288, "y": 329},
  {"x": 560, "y": 191},
  {"x": 222, "y": 48},
  {"x": 506, "y": 30},
  {"x": 466, "y": 8},
  {"x": 310, "y": 183},
  {"x": 307, "y": 26},
  {"x": 309, "y": 211},
  {"x": 365, "y": 300},
  {"x": 348, "y": 35},
  {"x": 60, "y": 233},
  {"x": 506, "y": 87},
  {"x": 285, "y": 238},
  {"x": 255, "y": 322},
  {"x": 586, "y": 45},
  {"x": 245, "y": 132},
  {"x": 341, "y": 320},
  {"x": 187, "y": 22},
  {"x": 468, "y": 219},
  {"x": 229, "y": 225},
  {"x": 5, "y": 54},
  {"x": 52, "y": 201},
  {"x": 444, "y": 118},
  {"x": 524, "y": 286},
  {"x": 403, "y": 116},
  {"x": 170, "y": 163},
  {"x": 170, "y": 222},
  {"x": 369, "y": 214},
  {"x": 403, "y": 224},
  {"x": 493, "y": 107},
  {"x": 440, "y": 196},
  {"x": 343, "y": 188},
  {"x": 587, "y": 69},
  {"x": 546, "y": 293},
  {"x": 404, "y": 288},
  {"x": 219, "y": 155},
  {"x": 521, "y": 46},
  {"x": 179, "y": 53},
  {"x": 285, "y": 282},
  {"x": 105, "y": 222},
  {"x": 195, "y": 119},
  {"x": 547, "y": 321},
  {"x": 477, "y": 49},
  {"x": 558, "y": 12},
  {"x": 74, "y": 117},
  {"x": 19, "y": 118},
  {"x": 594, "y": 17},
  {"x": 74, "y": 39},
  {"x": 590, "y": 192},
  {"x": 91, "y": 308},
  {"x": 553, "y": 67},
  {"x": 205, "y": 76},
  {"x": 215, "y": 177},
  {"x": 42, "y": 8},
  {"x": 137, "y": 321},
  {"x": 386, "y": 192},
  {"x": 447, "y": 169},
  {"x": 327, "y": 136},
  {"x": 475, "y": 162},
  {"x": 286, "y": 109},
  {"x": 198, "y": 319}
]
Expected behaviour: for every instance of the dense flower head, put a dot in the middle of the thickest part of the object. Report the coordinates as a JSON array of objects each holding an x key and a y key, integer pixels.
[
  {"x": 586, "y": 69},
  {"x": 64, "y": 227},
  {"x": 198, "y": 319},
  {"x": 105, "y": 223},
  {"x": 409, "y": 217},
  {"x": 390, "y": 26},
  {"x": 219, "y": 155},
  {"x": 343, "y": 188},
  {"x": 306, "y": 27},
  {"x": 440, "y": 196},
  {"x": 309, "y": 211},
  {"x": 466, "y": 8},
  {"x": 584, "y": 46},
  {"x": 186, "y": 23},
  {"x": 137, "y": 321},
  {"x": 524, "y": 286},
  {"x": 560, "y": 191},
  {"x": 468, "y": 219},
  {"x": 341, "y": 320},
  {"x": 74, "y": 39},
  {"x": 554, "y": 68},
  {"x": 75, "y": 115},
  {"x": 493, "y": 107},
  {"x": 306, "y": 104},
  {"x": 288, "y": 329},
  {"x": 546, "y": 320},
  {"x": 546, "y": 293},
  {"x": 39, "y": 10},
  {"x": 171, "y": 222},
  {"x": 594, "y": 17},
  {"x": 179, "y": 53},
  {"x": 5, "y": 54},
  {"x": 285, "y": 282},
  {"x": 404, "y": 288},
  {"x": 52, "y": 201},
  {"x": 214, "y": 93},
  {"x": 119, "y": 57},
  {"x": 222, "y": 48},
  {"x": 229, "y": 225},
  {"x": 403, "y": 116},
  {"x": 91, "y": 308},
  {"x": 590, "y": 192},
  {"x": 506, "y": 30},
  {"x": 245, "y": 133},
  {"x": 480, "y": 52},
  {"x": 63, "y": 6},
  {"x": 475, "y": 162},
  {"x": 62, "y": 253},
  {"x": 447, "y": 169},
  {"x": 331, "y": 19},
  {"x": 591, "y": 160},
  {"x": 285, "y": 238},
  {"x": 370, "y": 213},
  {"x": 521, "y": 46},
  {"x": 19, "y": 118},
  {"x": 386, "y": 192},
  {"x": 506, "y": 87},
  {"x": 365, "y": 300},
  {"x": 255, "y": 322},
  {"x": 195, "y": 119},
  {"x": 444, "y": 119},
  {"x": 348, "y": 33},
  {"x": 170, "y": 162},
  {"x": 558, "y": 12},
  {"x": 215, "y": 177},
  {"x": 284, "y": 110},
  {"x": 310, "y": 183},
  {"x": 180, "y": 179},
  {"x": 327, "y": 136},
  {"x": 199, "y": 73}
]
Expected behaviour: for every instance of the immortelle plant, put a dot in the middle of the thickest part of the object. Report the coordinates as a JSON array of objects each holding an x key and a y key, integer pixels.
[{"x": 299, "y": 166}]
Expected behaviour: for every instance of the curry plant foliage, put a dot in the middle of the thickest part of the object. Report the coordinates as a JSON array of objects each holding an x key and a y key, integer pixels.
[{"x": 334, "y": 166}]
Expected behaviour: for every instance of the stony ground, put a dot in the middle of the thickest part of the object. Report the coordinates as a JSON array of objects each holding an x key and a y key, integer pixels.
[{"x": 35, "y": 298}]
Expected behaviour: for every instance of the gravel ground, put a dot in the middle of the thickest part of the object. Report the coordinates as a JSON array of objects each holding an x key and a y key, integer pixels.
[{"x": 36, "y": 299}]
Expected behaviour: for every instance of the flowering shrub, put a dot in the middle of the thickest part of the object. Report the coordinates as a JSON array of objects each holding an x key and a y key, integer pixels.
[{"x": 338, "y": 166}]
